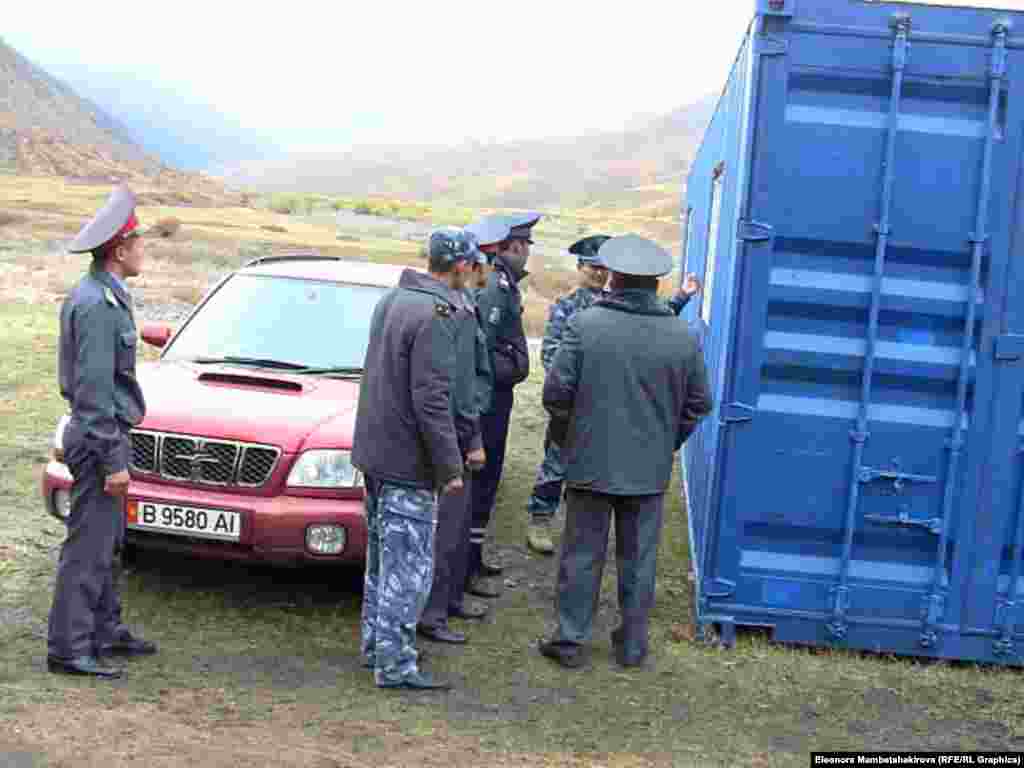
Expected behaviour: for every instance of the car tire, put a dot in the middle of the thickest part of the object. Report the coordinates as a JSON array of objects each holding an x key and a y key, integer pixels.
[{"x": 129, "y": 555}]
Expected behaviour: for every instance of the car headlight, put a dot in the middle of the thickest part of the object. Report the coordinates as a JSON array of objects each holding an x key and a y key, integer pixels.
[
  {"x": 326, "y": 539},
  {"x": 325, "y": 469},
  {"x": 58, "y": 437}
]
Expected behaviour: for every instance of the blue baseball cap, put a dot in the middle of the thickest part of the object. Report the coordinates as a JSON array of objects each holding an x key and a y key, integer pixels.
[{"x": 453, "y": 245}]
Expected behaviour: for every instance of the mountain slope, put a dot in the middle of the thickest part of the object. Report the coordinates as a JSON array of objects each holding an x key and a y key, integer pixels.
[
  {"x": 641, "y": 165},
  {"x": 39, "y": 114}
]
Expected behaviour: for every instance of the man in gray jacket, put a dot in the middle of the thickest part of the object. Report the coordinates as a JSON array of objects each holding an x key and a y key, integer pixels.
[
  {"x": 97, "y": 377},
  {"x": 625, "y": 390},
  {"x": 407, "y": 447}
]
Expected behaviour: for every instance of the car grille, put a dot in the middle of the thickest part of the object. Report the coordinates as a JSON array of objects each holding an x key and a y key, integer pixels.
[{"x": 200, "y": 460}]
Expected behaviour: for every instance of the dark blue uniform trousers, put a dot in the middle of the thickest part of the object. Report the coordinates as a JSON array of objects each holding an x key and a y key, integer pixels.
[
  {"x": 86, "y": 611},
  {"x": 588, "y": 517},
  {"x": 451, "y": 555},
  {"x": 494, "y": 431}
]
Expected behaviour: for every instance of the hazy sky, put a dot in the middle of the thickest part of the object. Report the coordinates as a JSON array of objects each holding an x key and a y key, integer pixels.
[{"x": 443, "y": 71}]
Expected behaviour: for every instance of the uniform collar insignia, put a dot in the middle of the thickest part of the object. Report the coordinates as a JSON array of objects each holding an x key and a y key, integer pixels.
[{"x": 109, "y": 294}]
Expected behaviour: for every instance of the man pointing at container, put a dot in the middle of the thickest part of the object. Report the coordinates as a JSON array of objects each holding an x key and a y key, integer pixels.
[{"x": 625, "y": 390}]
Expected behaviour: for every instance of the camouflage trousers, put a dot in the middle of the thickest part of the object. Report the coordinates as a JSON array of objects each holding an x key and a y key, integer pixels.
[
  {"x": 399, "y": 574},
  {"x": 547, "y": 489}
]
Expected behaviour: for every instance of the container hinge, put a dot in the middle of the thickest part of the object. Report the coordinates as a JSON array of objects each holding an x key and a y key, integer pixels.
[
  {"x": 717, "y": 589},
  {"x": 738, "y": 413},
  {"x": 933, "y": 524},
  {"x": 783, "y": 8},
  {"x": 755, "y": 232},
  {"x": 771, "y": 46},
  {"x": 930, "y": 612},
  {"x": 1009, "y": 346},
  {"x": 1000, "y": 31},
  {"x": 840, "y": 603}
]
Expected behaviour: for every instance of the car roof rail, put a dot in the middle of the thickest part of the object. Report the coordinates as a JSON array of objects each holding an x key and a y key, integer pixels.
[{"x": 289, "y": 256}]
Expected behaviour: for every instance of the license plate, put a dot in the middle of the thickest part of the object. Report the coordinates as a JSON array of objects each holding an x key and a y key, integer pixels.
[{"x": 184, "y": 521}]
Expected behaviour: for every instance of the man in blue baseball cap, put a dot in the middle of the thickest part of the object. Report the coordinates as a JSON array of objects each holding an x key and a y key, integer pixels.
[
  {"x": 470, "y": 393},
  {"x": 501, "y": 309},
  {"x": 407, "y": 445}
]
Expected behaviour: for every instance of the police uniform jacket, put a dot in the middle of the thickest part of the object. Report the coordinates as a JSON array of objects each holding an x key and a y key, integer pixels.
[
  {"x": 626, "y": 388},
  {"x": 482, "y": 375},
  {"x": 96, "y": 369},
  {"x": 405, "y": 429},
  {"x": 501, "y": 311}
]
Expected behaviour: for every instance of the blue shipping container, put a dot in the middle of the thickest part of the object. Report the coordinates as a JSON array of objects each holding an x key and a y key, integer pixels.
[{"x": 857, "y": 213}]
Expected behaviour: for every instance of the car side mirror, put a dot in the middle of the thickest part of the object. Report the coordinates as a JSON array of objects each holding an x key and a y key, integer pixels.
[{"x": 157, "y": 334}]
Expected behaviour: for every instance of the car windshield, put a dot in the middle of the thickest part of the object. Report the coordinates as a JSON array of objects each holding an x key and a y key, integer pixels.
[{"x": 260, "y": 319}]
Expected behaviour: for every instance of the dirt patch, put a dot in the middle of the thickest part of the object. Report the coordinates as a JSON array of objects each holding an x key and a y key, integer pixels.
[
  {"x": 169, "y": 733},
  {"x": 901, "y": 724}
]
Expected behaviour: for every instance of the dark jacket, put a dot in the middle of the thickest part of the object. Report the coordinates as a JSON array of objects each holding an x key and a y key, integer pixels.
[
  {"x": 626, "y": 388},
  {"x": 501, "y": 310},
  {"x": 483, "y": 376},
  {"x": 405, "y": 429},
  {"x": 472, "y": 375},
  {"x": 96, "y": 370}
]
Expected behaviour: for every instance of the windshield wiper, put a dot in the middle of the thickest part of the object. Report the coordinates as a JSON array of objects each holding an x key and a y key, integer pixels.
[
  {"x": 334, "y": 371},
  {"x": 255, "y": 361}
]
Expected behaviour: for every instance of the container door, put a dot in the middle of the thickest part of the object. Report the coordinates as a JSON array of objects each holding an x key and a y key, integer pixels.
[
  {"x": 869, "y": 324},
  {"x": 990, "y": 570}
]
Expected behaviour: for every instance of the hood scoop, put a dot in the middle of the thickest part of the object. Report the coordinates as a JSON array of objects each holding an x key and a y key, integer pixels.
[{"x": 248, "y": 380}]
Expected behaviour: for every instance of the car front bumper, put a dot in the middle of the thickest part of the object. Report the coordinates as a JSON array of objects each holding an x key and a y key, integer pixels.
[{"x": 273, "y": 528}]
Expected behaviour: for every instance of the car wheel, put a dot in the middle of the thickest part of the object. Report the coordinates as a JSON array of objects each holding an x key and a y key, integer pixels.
[{"x": 128, "y": 555}]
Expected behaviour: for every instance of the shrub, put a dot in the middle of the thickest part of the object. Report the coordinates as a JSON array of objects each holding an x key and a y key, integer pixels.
[
  {"x": 7, "y": 218},
  {"x": 273, "y": 228},
  {"x": 166, "y": 227},
  {"x": 291, "y": 203}
]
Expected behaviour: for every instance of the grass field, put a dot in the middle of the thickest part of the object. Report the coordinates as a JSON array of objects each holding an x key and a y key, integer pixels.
[
  {"x": 38, "y": 215},
  {"x": 260, "y": 666}
]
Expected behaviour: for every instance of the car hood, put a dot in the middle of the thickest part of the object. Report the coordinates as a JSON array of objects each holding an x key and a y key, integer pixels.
[{"x": 250, "y": 405}]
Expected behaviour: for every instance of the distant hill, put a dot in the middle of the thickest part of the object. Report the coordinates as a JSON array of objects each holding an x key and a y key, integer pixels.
[{"x": 641, "y": 166}]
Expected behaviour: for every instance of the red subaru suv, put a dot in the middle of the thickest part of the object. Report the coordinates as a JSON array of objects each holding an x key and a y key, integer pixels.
[{"x": 245, "y": 451}]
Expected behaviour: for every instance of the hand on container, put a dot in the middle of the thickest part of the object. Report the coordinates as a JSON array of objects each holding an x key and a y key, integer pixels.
[{"x": 690, "y": 286}]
